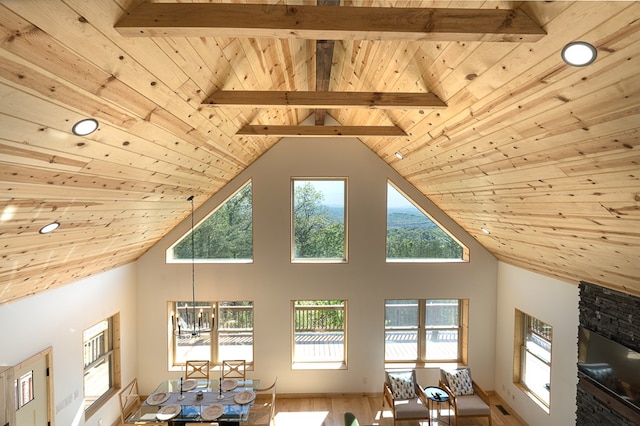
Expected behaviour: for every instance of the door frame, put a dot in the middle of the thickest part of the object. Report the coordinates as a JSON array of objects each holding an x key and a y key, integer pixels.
[{"x": 48, "y": 356}]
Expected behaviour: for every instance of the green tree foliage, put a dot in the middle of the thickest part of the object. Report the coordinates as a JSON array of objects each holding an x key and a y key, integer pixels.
[
  {"x": 226, "y": 234},
  {"x": 411, "y": 234},
  {"x": 318, "y": 234}
]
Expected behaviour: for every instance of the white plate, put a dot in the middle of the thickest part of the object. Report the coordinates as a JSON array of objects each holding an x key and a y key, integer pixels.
[
  {"x": 168, "y": 412},
  {"x": 157, "y": 398},
  {"x": 244, "y": 397},
  {"x": 212, "y": 412},
  {"x": 189, "y": 384},
  {"x": 229, "y": 384}
]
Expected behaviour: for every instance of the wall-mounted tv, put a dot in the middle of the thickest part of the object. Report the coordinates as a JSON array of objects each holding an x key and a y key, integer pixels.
[{"x": 611, "y": 364}]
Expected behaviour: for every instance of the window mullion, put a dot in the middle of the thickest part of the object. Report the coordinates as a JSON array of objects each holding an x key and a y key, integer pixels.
[{"x": 422, "y": 330}]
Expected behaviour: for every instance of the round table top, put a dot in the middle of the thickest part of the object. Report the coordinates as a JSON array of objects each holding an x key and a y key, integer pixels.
[{"x": 436, "y": 394}]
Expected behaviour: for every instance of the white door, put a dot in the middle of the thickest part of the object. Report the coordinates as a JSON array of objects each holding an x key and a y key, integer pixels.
[{"x": 31, "y": 392}]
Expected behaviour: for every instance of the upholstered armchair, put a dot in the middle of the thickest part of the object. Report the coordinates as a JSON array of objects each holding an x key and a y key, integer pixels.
[
  {"x": 405, "y": 396},
  {"x": 467, "y": 398}
]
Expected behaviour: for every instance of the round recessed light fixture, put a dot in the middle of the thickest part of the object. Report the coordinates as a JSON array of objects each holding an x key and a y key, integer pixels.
[
  {"x": 485, "y": 230},
  {"x": 49, "y": 227},
  {"x": 579, "y": 53},
  {"x": 85, "y": 127},
  {"x": 399, "y": 155}
]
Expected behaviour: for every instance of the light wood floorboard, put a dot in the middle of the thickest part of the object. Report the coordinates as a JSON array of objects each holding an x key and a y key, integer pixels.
[{"x": 329, "y": 411}]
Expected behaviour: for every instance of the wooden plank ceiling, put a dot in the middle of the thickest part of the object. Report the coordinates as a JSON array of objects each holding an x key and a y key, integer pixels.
[{"x": 508, "y": 138}]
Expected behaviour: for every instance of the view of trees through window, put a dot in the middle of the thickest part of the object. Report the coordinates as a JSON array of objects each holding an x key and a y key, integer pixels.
[
  {"x": 319, "y": 219},
  {"x": 411, "y": 234},
  {"x": 226, "y": 234}
]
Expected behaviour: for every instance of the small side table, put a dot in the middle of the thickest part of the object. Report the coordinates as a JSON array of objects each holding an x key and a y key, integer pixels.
[{"x": 437, "y": 395}]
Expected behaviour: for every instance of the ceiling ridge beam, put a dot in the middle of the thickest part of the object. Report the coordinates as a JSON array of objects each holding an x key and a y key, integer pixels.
[
  {"x": 310, "y": 99},
  {"x": 320, "y": 131},
  {"x": 328, "y": 23}
]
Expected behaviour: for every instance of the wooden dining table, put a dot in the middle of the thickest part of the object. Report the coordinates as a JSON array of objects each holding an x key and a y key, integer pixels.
[{"x": 196, "y": 400}]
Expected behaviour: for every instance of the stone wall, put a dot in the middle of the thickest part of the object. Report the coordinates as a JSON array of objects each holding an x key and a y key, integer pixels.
[{"x": 616, "y": 316}]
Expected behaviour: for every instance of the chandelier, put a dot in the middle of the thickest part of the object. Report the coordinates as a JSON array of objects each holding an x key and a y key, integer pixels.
[{"x": 194, "y": 320}]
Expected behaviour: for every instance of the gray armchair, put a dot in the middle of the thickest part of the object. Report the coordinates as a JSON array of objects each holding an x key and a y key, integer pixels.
[
  {"x": 467, "y": 398},
  {"x": 405, "y": 396}
]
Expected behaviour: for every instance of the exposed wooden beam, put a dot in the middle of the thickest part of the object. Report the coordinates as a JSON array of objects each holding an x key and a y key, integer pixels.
[
  {"x": 324, "y": 64},
  {"x": 324, "y": 59},
  {"x": 320, "y": 131},
  {"x": 306, "y": 99},
  {"x": 328, "y": 23}
]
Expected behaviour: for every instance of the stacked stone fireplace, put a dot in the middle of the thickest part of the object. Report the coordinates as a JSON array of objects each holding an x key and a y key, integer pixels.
[{"x": 616, "y": 316}]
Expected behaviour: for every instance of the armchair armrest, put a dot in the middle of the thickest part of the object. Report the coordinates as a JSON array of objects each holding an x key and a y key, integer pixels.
[
  {"x": 421, "y": 394},
  {"x": 480, "y": 392}
]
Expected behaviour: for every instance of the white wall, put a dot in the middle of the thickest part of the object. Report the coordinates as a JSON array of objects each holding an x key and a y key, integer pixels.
[
  {"x": 56, "y": 319},
  {"x": 556, "y": 303},
  {"x": 272, "y": 281}
]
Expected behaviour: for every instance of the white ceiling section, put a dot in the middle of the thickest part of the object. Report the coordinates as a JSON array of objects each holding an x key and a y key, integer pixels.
[{"x": 492, "y": 126}]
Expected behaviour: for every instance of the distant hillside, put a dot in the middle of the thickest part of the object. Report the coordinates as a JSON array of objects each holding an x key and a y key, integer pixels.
[{"x": 405, "y": 218}]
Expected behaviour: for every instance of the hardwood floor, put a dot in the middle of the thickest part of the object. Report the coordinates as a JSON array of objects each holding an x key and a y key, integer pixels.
[{"x": 329, "y": 411}]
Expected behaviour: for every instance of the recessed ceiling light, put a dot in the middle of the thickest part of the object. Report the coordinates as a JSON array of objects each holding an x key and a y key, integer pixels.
[
  {"x": 399, "y": 155},
  {"x": 49, "y": 228},
  {"x": 485, "y": 230},
  {"x": 85, "y": 127},
  {"x": 579, "y": 53}
]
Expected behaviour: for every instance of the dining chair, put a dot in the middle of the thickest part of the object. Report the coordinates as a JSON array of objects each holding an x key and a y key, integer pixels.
[
  {"x": 234, "y": 369},
  {"x": 129, "y": 400},
  {"x": 263, "y": 410},
  {"x": 196, "y": 369}
]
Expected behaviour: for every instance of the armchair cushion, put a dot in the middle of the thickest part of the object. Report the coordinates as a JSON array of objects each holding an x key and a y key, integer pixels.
[
  {"x": 411, "y": 409},
  {"x": 472, "y": 405},
  {"x": 459, "y": 382},
  {"x": 402, "y": 385}
]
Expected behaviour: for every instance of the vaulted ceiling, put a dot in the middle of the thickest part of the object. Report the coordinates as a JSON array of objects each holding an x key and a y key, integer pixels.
[{"x": 492, "y": 125}]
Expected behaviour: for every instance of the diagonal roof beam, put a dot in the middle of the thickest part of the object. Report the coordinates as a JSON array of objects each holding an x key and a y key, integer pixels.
[
  {"x": 311, "y": 100},
  {"x": 328, "y": 23}
]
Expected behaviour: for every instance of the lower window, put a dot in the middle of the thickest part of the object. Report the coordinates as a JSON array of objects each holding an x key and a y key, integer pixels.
[
  {"x": 211, "y": 331},
  {"x": 99, "y": 362},
  {"x": 533, "y": 356},
  {"x": 319, "y": 332},
  {"x": 425, "y": 330}
]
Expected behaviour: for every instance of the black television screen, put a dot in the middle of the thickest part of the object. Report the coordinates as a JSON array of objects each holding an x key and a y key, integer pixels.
[{"x": 611, "y": 364}]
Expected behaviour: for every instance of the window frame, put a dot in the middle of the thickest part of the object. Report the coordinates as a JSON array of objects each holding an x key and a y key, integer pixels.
[
  {"x": 423, "y": 329},
  {"x": 112, "y": 353},
  {"x": 328, "y": 364},
  {"x": 521, "y": 336},
  {"x": 170, "y": 256},
  {"x": 465, "y": 250},
  {"x": 214, "y": 334},
  {"x": 345, "y": 257}
]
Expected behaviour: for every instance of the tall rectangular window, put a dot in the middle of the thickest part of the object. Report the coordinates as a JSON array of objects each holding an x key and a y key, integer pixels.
[
  {"x": 319, "y": 220},
  {"x": 319, "y": 334},
  {"x": 426, "y": 330},
  {"x": 99, "y": 355},
  {"x": 211, "y": 331},
  {"x": 532, "y": 369}
]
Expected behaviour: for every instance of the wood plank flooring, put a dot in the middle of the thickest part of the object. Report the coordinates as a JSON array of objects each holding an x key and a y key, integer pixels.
[{"x": 329, "y": 411}]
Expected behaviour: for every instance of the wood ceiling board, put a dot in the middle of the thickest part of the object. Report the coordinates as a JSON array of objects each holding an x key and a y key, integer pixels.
[
  {"x": 327, "y": 23},
  {"x": 312, "y": 100},
  {"x": 321, "y": 131},
  {"x": 510, "y": 152}
]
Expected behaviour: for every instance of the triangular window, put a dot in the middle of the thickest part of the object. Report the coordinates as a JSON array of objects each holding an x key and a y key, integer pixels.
[
  {"x": 413, "y": 236},
  {"x": 226, "y": 235}
]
